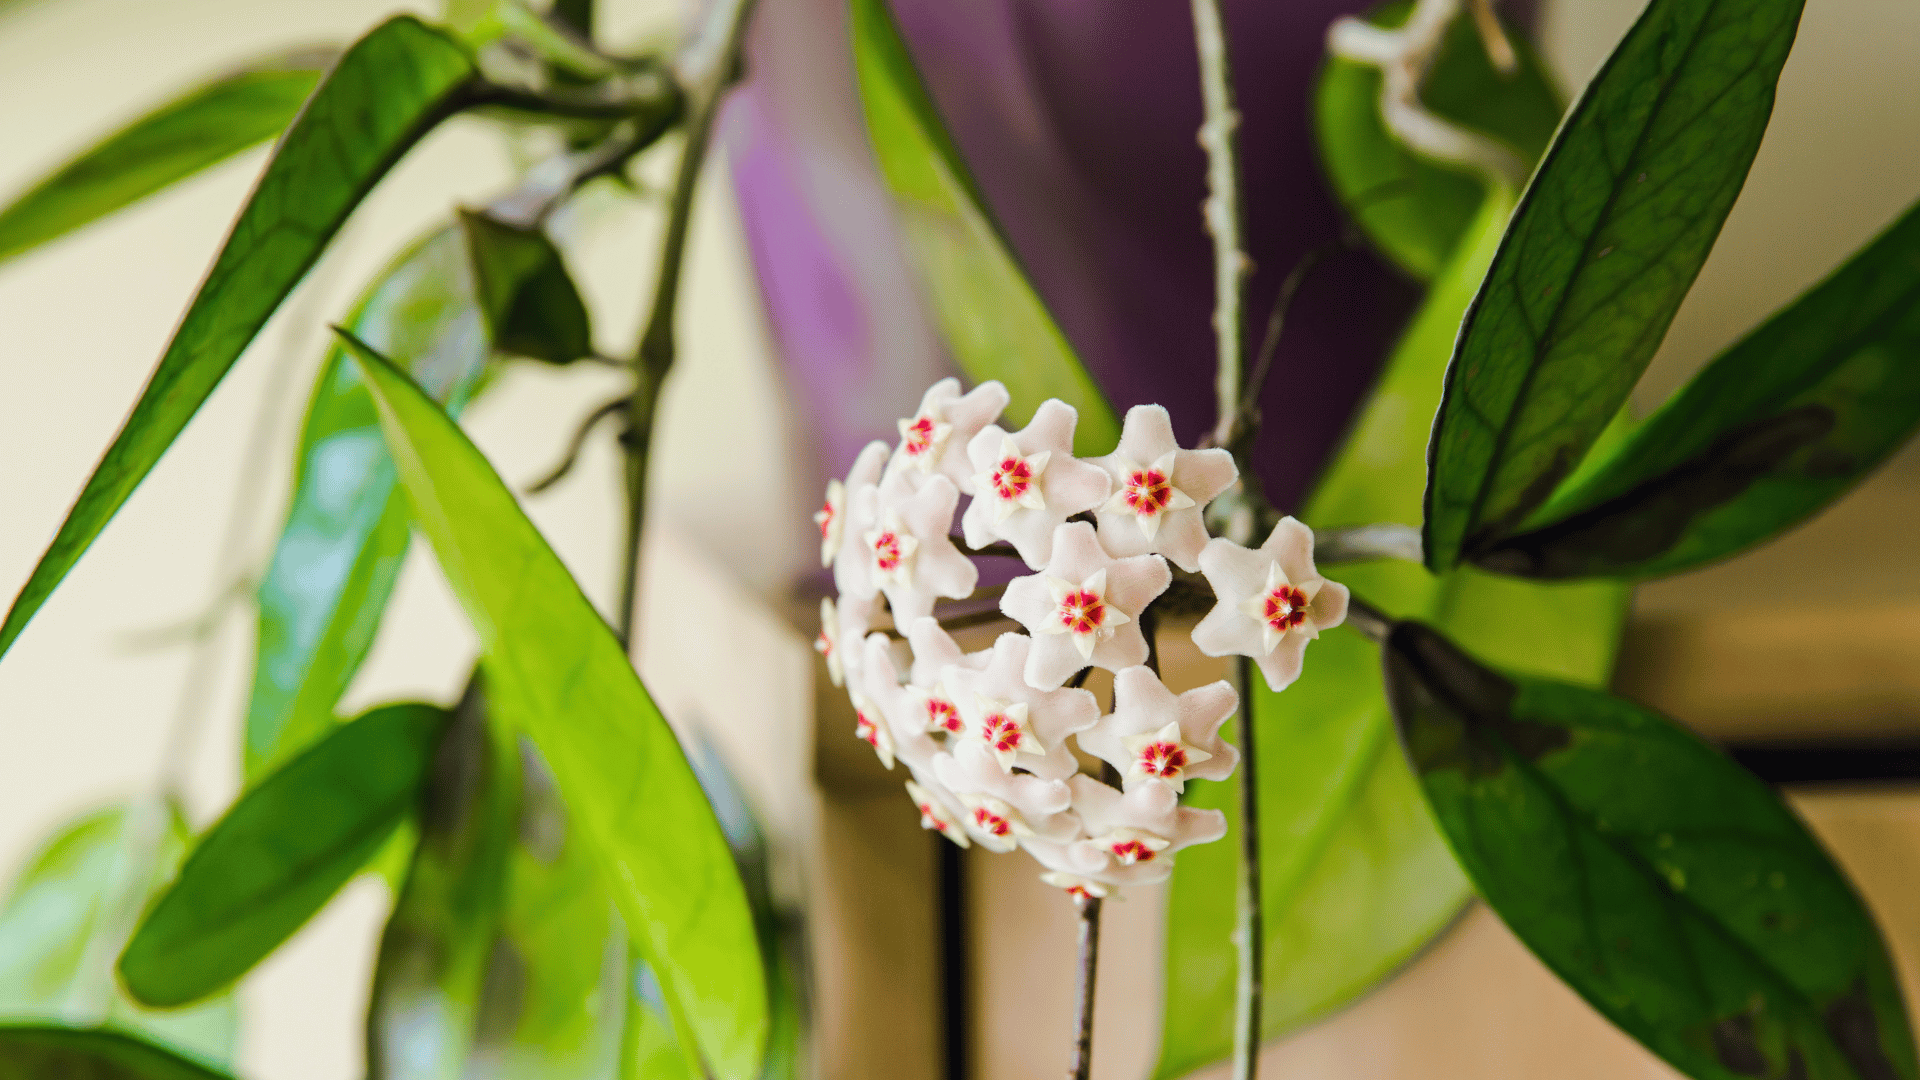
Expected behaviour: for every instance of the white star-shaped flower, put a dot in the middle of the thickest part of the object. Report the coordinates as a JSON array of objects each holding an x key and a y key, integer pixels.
[
  {"x": 870, "y": 727},
  {"x": 1039, "y": 807},
  {"x": 910, "y": 550},
  {"x": 878, "y": 682},
  {"x": 1027, "y": 483},
  {"x": 1085, "y": 608},
  {"x": 1159, "y": 490},
  {"x": 1271, "y": 601},
  {"x": 1155, "y": 734},
  {"x": 934, "y": 439},
  {"x": 847, "y": 621},
  {"x": 1130, "y": 838},
  {"x": 832, "y": 519},
  {"x": 1021, "y": 717},
  {"x": 938, "y": 809},
  {"x": 852, "y": 562},
  {"x": 1080, "y": 888},
  {"x": 934, "y": 650}
]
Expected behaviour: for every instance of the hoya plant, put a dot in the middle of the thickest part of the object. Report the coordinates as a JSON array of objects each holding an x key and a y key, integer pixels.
[{"x": 1414, "y": 656}]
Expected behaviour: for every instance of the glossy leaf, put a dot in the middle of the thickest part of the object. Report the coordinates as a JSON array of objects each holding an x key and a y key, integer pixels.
[
  {"x": 1773, "y": 430},
  {"x": 1356, "y": 878},
  {"x": 1672, "y": 889},
  {"x": 388, "y": 91},
  {"x": 71, "y": 910},
  {"x": 339, "y": 555},
  {"x": 1605, "y": 243},
  {"x": 530, "y": 300},
  {"x": 193, "y": 132},
  {"x": 995, "y": 324},
  {"x": 47, "y": 1052},
  {"x": 1413, "y": 209},
  {"x": 554, "y": 668},
  {"x": 278, "y": 855}
]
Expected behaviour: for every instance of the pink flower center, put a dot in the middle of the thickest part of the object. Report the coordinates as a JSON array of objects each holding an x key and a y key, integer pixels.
[
  {"x": 886, "y": 551},
  {"x": 1082, "y": 611},
  {"x": 823, "y": 644},
  {"x": 1011, "y": 478},
  {"x": 866, "y": 730},
  {"x": 931, "y": 818},
  {"x": 918, "y": 436},
  {"x": 1148, "y": 492},
  {"x": 943, "y": 716},
  {"x": 1002, "y": 733},
  {"x": 991, "y": 823},
  {"x": 1163, "y": 759},
  {"x": 1285, "y": 607},
  {"x": 1079, "y": 892},
  {"x": 1132, "y": 851},
  {"x": 825, "y": 518}
]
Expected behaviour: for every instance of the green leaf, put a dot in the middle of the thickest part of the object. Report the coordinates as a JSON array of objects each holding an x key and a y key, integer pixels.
[
  {"x": 52, "y": 1052},
  {"x": 1416, "y": 210},
  {"x": 280, "y": 853},
  {"x": 503, "y": 953},
  {"x": 531, "y": 302},
  {"x": 554, "y": 668},
  {"x": 1672, "y": 889},
  {"x": 1605, "y": 243},
  {"x": 186, "y": 135},
  {"x": 388, "y": 91},
  {"x": 71, "y": 911},
  {"x": 994, "y": 323},
  {"x": 1356, "y": 878},
  {"x": 339, "y": 555},
  {"x": 1777, "y": 427}
]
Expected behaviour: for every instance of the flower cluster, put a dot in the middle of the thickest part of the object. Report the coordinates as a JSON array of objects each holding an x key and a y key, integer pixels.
[{"x": 984, "y": 735}]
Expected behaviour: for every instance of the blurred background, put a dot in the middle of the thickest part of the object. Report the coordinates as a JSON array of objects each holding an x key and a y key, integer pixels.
[{"x": 143, "y": 656}]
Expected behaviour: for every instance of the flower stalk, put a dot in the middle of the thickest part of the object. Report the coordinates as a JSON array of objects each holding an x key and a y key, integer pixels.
[{"x": 1083, "y": 994}]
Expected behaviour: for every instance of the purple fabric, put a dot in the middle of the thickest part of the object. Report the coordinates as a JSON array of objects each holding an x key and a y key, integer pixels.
[{"x": 1078, "y": 120}]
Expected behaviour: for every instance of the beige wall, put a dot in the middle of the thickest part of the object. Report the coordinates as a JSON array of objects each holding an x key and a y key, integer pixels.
[{"x": 85, "y": 707}]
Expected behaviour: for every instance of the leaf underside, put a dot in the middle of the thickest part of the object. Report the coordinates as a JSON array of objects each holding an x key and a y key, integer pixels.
[{"x": 554, "y": 670}]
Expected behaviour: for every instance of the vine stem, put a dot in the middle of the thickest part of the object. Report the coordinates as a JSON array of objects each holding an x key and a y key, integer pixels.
[
  {"x": 706, "y": 68},
  {"x": 1230, "y": 267},
  {"x": 1223, "y": 214}
]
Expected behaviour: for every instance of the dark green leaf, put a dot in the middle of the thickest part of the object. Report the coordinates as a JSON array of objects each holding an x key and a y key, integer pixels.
[
  {"x": 1605, "y": 243},
  {"x": 1356, "y": 877},
  {"x": 1413, "y": 209},
  {"x": 390, "y": 89},
  {"x": 530, "y": 299},
  {"x": 994, "y": 323},
  {"x": 280, "y": 853},
  {"x": 1669, "y": 887},
  {"x": 169, "y": 144},
  {"x": 554, "y": 668},
  {"x": 71, "y": 911},
  {"x": 346, "y": 534},
  {"x": 1777, "y": 427},
  {"x": 50, "y": 1052}
]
